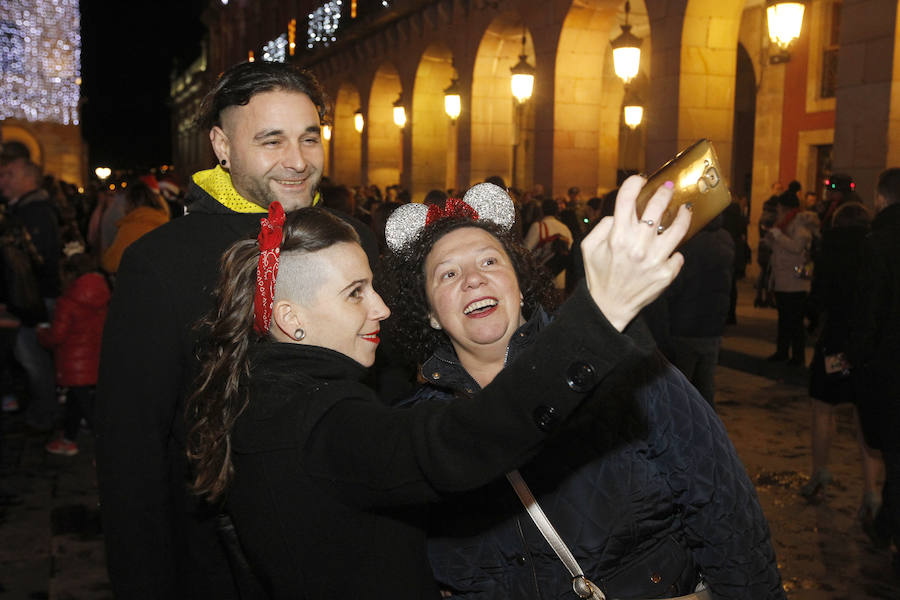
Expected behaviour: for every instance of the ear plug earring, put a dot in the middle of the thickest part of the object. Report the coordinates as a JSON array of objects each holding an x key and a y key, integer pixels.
[
  {"x": 299, "y": 334},
  {"x": 222, "y": 162},
  {"x": 434, "y": 323}
]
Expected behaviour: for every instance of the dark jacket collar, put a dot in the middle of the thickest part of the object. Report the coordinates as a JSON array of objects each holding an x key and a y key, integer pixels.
[
  {"x": 444, "y": 369},
  {"x": 278, "y": 363}
]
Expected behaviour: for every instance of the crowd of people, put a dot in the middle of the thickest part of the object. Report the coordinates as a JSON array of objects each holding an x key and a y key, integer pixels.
[{"x": 255, "y": 439}]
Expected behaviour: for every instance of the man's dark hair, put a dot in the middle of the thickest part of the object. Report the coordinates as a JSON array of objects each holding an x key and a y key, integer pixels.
[
  {"x": 238, "y": 84},
  {"x": 550, "y": 207},
  {"x": 889, "y": 185},
  {"x": 794, "y": 187},
  {"x": 13, "y": 150}
]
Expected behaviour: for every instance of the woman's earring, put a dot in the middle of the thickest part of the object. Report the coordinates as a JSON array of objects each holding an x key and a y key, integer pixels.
[
  {"x": 434, "y": 323},
  {"x": 222, "y": 162},
  {"x": 299, "y": 334}
]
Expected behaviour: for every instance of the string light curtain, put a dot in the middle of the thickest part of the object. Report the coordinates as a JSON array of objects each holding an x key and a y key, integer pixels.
[{"x": 40, "y": 60}]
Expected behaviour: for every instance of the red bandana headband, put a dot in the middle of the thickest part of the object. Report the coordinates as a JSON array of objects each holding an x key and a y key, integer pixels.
[
  {"x": 484, "y": 201},
  {"x": 269, "y": 240}
]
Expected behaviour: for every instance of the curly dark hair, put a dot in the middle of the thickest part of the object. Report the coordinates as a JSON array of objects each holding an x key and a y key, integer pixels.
[
  {"x": 221, "y": 393},
  {"x": 403, "y": 285}
]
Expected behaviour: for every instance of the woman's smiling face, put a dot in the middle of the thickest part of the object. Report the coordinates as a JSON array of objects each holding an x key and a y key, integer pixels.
[
  {"x": 473, "y": 290},
  {"x": 345, "y": 313}
]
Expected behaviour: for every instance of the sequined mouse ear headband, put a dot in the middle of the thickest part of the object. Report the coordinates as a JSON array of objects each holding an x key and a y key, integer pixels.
[
  {"x": 484, "y": 201},
  {"x": 269, "y": 240}
]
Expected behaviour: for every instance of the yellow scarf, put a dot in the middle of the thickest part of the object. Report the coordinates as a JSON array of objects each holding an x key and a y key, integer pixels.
[{"x": 217, "y": 183}]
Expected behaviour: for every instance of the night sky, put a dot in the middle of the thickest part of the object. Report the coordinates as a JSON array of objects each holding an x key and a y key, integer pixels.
[{"x": 129, "y": 50}]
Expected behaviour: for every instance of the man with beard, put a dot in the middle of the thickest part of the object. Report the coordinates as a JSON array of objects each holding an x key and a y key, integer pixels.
[{"x": 264, "y": 125}]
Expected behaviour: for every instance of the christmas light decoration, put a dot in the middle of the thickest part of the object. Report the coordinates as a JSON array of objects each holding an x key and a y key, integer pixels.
[
  {"x": 40, "y": 58},
  {"x": 274, "y": 50},
  {"x": 323, "y": 24},
  {"x": 292, "y": 36}
]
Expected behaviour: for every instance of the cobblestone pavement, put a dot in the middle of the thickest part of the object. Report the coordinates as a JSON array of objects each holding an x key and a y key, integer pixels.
[{"x": 51, "y": 545}]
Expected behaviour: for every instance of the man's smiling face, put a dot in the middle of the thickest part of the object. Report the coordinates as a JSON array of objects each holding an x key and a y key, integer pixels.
[{"x": 273, "y": 148}]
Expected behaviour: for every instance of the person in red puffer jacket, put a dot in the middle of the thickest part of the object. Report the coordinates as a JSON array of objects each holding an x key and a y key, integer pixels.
[{"x": 75, "y": 337}]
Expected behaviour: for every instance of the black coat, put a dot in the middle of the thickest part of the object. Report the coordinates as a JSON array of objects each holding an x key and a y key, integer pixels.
[
  {"x": 160, "y": 540},
  {"x": 322, "y": 467},
  {"x": 646, "y": 483},
  {"x": 875, "y": 331},
  {"x": 834, "y": 293}
]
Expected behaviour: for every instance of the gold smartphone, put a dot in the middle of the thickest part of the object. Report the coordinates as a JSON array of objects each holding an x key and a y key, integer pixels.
[{"x": 698, "y": 180}]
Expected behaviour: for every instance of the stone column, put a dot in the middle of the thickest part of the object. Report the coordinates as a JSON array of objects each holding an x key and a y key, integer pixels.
[{"x": 864, "y": 82}]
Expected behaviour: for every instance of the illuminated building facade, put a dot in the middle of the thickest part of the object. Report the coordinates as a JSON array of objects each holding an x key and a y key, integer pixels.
[
  {"x": 707, "y": 69},
  {"x": 40, "y": 61}
]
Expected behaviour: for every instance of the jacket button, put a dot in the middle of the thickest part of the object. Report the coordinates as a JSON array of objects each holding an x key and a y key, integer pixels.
[
  {"x": 581, "y": 376},
  {"x": 435, "y": 375},
  {"x": 655, "y": 578},
  {"x": 545, "y": 417},
  {"x": 521, "y": 559}
]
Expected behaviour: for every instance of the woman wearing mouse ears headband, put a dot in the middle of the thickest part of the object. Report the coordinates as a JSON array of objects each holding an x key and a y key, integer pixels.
[
  {"x": 643, "y": 486},
  {"x": 326, "y": 484}
]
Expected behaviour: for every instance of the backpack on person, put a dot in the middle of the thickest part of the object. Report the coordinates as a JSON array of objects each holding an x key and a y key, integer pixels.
[{"x": 552, "y": 251}]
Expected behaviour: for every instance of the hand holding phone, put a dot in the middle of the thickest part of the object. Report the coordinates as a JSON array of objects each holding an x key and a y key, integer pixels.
[{"x": 698, "y": 184}]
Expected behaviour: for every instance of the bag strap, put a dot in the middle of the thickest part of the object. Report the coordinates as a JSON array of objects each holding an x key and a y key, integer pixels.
[
  {"x": 583, "y": 587},
  {"x": 544, "y": 231}
]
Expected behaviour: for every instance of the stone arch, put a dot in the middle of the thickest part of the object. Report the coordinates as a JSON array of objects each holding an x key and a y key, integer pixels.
[
  {"x": 433, "y": 133},
  {"x": 17, "y": 133},
  {"x": 346, "y": 142},
  {"x": 384, "y": 137},
  {"x": 494, "y": 111},
  {"x": 706, "y": 85}
]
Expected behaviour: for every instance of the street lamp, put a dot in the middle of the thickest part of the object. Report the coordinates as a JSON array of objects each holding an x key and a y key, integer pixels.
[
  {"x": 785, "y": 20},
  {"x": 452, "y": 100},
  {"x": 399, "y": 112},
  {"x": 326, "y": 132},
  {"x": 358, "y": 121},
  {"x": 522, "y": 81},
  {"x": 626, "y": 51},
  {"x": 633, "y": 108},
  {"x": 102, "y": 173}
]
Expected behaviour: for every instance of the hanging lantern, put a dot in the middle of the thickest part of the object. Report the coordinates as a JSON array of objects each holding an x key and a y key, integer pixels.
[
  {"x": 633, "y": 109},
  {"x": 452, "y": 100},
  {"x": 522, "y": 81},
  {"x": 399, "y": 112},
  {"x": 785, "y": 19},
  {"x": 326, "y": 132},
  {"x": 358, "y": 121},
  {"x": 626, "y": 51},
  {"x": 633, "y": 116}
]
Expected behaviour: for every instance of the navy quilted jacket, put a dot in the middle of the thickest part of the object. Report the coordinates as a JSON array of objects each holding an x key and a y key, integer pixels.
[{"x": 647, "y": 493}]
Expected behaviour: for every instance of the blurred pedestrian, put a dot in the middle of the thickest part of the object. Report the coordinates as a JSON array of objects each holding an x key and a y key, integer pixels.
[
  {"x": 791, "y": 240},
  {"x": 833, "y": 380},
  {"x": 74, "y": 337},
  {"x": 767, "y": 218},
  {"x": 30, "y": 206},
  {"x": 550, "y": 240},
  {"x": 144, "y": 212},
  {"x": 735, "y": 223},
  {"x": 875, "y": 346},
  {"x": 688, "y": 320}
]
